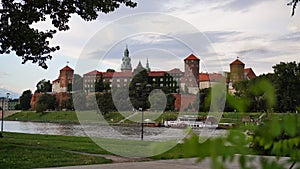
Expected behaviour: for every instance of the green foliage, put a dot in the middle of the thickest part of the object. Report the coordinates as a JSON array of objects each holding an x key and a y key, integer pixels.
[
  {"x": 67, "y": 104},
  {"x": 43, "y": 86},
  {"x": 284, "y": 140},
  {"x": 139, "y": 90},
  {"x": 46, "y": 102},
  {"x": 25, "y": 100},
  {"x": 287, "y": 82},
  {"x": 17, "y": 18},
  {"x": 79, "y": 100},
  {"x": 77, "y": 83},
  {"x": 105, "y": 103}
]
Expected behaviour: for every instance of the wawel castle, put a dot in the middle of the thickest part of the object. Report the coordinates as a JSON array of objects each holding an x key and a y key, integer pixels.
[{"x": 187, "y": 82}]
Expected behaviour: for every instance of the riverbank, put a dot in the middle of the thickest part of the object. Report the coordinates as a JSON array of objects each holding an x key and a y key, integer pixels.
[
  {"x": 41, "y": 151},
  {"x": 116, "y": 117},
  {"x": 35, "y": 151}
]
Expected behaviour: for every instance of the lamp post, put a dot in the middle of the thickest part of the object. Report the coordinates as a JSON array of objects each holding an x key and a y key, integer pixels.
[
  {"x": 142, "y": 124},
  {"x": 2, "y": 114}
]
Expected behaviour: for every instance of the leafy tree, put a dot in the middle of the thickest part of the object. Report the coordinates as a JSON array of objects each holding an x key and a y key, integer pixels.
[
  {"x": 43, "y": 86},
  {"x": 170, "y": 102},
  {"x": 25, "y": 100},
  {"x": 45, "y": 102},
  {"x": 67, "y": 104},
  {"x": 105, "y": 102},
  {"x": 110, "y": 70},
  {"x": 77, "y": 83},
  {"x": 79, "y": 100},
  {"x": 99, "y": 85},
  {"x": 139, "y": 90},
  {"x": 18, "y": 16},
  {"x": 287, "y": 82},
  {"x": 121, "y": 99},
  {"x": 203, "y": 98}
]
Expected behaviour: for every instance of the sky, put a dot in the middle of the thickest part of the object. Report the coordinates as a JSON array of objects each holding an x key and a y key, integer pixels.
[{"x": 261, "y": 33}]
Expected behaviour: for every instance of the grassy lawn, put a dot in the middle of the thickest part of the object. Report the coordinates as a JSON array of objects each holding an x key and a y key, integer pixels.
[
  {"x": 59, "y": 116},
  {"x": 36, "y": 151}
]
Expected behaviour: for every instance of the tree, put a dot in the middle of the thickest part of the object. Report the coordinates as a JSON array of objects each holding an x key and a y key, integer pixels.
[
  {"x": 45, "y": 102},
  {"x": 67, "y": 104},
  {"x": 43, "y": 86},
  {"x": 287, "y": 82},
  {"x": 294, "y": 4},
  {"x": 105, "y": 102},
  {"x": 18, "y": 16},
  {"x": 110, "y": 70},
  {"x": 99, "y": 85},
  {"x": 77, "y": 83},
  {"x": 25, "y": 100},
  {"x": 139, "y": 90}
]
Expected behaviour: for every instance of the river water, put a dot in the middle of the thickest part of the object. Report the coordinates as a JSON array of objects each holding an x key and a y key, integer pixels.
[{"x": 102, "y": 131}]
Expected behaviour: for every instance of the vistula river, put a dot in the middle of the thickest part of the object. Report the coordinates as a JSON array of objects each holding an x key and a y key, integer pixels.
[{"x": 102, "y": 131}]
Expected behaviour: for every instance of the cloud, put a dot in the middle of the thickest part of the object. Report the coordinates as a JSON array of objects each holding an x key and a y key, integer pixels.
[
  {"x": 293, "y": 37},
  {"x": 238, "y": 5},
  {"x": 221, "y": 36}
]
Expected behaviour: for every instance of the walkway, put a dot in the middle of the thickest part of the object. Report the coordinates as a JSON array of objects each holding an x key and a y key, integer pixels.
[{"x": 173, "y": 164}]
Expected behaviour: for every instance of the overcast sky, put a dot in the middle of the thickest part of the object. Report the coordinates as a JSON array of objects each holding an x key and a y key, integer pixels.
[{"x": 261, "y": 33}]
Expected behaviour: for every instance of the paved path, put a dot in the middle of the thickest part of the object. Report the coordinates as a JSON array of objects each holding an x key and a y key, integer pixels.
[{"x": 172, "y": 164}]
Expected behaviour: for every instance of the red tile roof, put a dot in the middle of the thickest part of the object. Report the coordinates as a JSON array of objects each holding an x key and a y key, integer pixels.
[
  {"x": 116, "y": 74},
  {"x": 191, "y": 57},
  {"x": 175, "y": 70},
  {"x": 237, "y": 62},
  {"x": 216, "y": 77},
  {"x": 156, "y": 73},
  {"x": 203, "y": 77},
  {"x": 94, "y": 72},
  {"x": 67, "y": 68},
  {"x": 249, "y": 73}
]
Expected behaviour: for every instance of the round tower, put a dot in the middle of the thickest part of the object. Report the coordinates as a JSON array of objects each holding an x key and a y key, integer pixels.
[{"x": 237, "y": 71}]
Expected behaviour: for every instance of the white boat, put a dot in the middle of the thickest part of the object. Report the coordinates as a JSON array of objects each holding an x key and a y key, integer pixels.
[{"x": 190, "y": 121}]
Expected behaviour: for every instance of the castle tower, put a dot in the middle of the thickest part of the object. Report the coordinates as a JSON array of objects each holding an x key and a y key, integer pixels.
[
  {"x": 191, "y": 68},
  {"x": 126, "y": 61},
  {"x": 190, "y": 79},
  {"x": 66, "y": 77},
  {"x": 64, "y": 80},
  {"x": 237, "y": 71}
]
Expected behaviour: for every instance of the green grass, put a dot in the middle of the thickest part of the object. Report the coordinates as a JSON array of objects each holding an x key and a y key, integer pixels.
[
  {"x": 35, "y": 151},
  {"x": 59, "y": 117}
]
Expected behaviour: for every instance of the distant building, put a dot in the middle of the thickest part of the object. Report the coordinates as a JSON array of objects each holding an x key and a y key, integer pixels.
[
  {"x": 190, "y": 79},
  {"x": 207, "y": 80},
  {"x": 12, "y": 103},
  {"x": 4, "y": 103},
  {"x": 64, "y": 81},
  {"x": 126, "y": 62}
]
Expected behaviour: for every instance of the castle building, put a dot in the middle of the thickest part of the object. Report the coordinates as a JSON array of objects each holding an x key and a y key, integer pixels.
[
  {"x": 190, "y": 79},
  {"x": 237, "y": 71},
  {"x": 126, "y": 61},
  {"x": 64, "y": 81}
]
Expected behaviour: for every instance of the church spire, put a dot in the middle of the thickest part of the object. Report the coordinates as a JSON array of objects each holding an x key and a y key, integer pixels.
[
  {"x": 126, "y": 61},
  {"x": 147, "y": 66}
]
